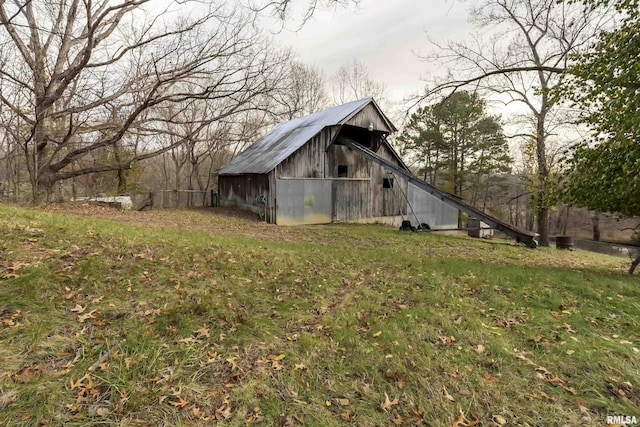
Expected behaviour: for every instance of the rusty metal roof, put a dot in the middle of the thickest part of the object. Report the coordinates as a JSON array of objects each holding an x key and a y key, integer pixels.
[{"x": 284, "y": 139}]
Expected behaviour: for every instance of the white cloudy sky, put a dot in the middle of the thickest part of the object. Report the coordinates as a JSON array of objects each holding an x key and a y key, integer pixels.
[{"x": 386, "y": 35}]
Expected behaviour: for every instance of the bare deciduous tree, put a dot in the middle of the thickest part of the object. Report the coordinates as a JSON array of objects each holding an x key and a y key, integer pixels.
[
  {"x": 526, "y": 53},
  {"x": 86, "y": 75},
  {"x": 304, "y": 92},
  {"x": 282, "y": 9},
  {"x": 193, "y": 165},
  {"x": 352, "y": 81}
]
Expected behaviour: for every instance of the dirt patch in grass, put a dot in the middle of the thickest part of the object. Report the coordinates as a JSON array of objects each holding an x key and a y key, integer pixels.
[
  {"x": 154, "y": 216},
  {"x": 218, "y": 221}
]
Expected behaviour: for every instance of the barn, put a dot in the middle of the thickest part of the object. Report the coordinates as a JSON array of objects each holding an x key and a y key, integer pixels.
[{"x": 301, "y": 173}]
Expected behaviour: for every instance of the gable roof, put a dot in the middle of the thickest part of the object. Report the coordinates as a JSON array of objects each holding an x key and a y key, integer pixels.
[{"x": 284, "y": 139}]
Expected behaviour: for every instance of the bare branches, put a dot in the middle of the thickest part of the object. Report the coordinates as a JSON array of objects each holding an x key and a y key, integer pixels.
[
  {"x": 95, "y": 76},
  {"x": 285, "y": 9},
  {"x": 303, "y": 92},
  {"x": 524, "y": 37},
  {"x": 453, "y": 86},
  {"x": 526, "y": 52}
]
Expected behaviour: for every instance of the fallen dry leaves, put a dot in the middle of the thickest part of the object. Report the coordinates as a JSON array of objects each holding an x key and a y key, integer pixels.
[
  {"x": 398, "y": 420},
  {"x": 202, "y": 332},
  {"x": 11, "y": 319},
  {"x": 28, "y": 373},
  {"x": 387, "y": 404},
  {"x": 7, "y": 398},
  {"x": 87, "y": 316},
  {"x": 446, "y": 394},
  {"x": 543, "y": 374},
  {"x": 462, "y": 421},
  {"x": 180, "y": 403},
  {"x": 87, "y": 393},
  {"x": 10, "y": 272},
  {"x": 490, "y": 378},
  {"x": 233, "y": 365}
]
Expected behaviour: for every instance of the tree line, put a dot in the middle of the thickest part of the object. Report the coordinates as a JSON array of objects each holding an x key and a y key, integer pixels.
[
  {"x": 99, "y": 96},
  {"x": 104, "y": 96},
  {"x": 571, "y": 66}
]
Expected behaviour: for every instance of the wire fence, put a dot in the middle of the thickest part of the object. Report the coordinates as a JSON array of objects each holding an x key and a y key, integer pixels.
[
  {"x": 163, "y": 199},
  {"x": 173, "y": 199}
]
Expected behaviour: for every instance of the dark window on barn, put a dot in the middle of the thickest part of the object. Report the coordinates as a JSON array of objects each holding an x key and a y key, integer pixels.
[
  {"x": 343, "y": 171},
  {"x": 387, "y": 182}
]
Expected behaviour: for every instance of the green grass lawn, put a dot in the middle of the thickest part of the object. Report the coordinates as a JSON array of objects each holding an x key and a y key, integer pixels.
[{"x": 196, "y": 318}]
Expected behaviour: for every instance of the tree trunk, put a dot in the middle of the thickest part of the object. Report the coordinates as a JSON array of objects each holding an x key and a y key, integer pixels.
[
  {"x": 543, "y": 225},
  {"x": 542, "y": 208},
  {"x": 122, "y": 182},
  {"x": 634, "y": 264},
  {"x": 530, "y": 217},
  {"x": 566, "y": 221},
  {"x": 487, "y": 186},
  {"x": 595, "y": 219},
  {"x": 122, "y": 177}
]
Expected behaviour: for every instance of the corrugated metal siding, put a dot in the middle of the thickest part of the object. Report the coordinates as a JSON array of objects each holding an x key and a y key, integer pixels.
[
  {"x": 351, "y": 199},
  {"x": 431, "y": 210},
  {"x": 302, "y": 148},
  {"x": 303, "y": 201}
]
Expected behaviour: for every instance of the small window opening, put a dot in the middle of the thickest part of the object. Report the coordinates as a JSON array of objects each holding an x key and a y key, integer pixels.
[
  {"x": 343, "y": 171},
  {"x": 387, "y": 182}
]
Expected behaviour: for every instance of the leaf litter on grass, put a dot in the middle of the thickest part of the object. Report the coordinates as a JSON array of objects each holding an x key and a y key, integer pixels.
[{"x": 242, "y": 322}]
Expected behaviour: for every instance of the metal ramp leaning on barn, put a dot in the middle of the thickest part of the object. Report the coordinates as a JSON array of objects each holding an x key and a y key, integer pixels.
[{"x": 523, "y": 236}]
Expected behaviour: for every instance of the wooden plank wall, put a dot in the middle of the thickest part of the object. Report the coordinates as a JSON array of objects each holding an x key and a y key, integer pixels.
[
  {"x": 242, "y": 190},
  {"x": 360, "y": 195},
  {"x": 386, "y": 201},
  {"x": 358, "y": 166},
  {"x": 351, "y": 199},
  {"x": 367, "y": 115},
  {"x": 307, "y": 162}
]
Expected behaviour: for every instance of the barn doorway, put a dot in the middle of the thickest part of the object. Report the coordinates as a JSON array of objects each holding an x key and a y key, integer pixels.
[{"x": 365, "y": 137}]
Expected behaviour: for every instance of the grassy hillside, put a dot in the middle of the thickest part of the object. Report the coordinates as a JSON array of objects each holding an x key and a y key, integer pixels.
[{"x": 194, "y": 317}]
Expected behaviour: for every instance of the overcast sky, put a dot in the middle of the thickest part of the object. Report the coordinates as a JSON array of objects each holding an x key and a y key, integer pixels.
[{"x": 387, "y": 36}]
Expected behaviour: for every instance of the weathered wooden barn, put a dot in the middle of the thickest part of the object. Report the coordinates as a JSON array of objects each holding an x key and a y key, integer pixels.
[{"x": 300, "y": 173}]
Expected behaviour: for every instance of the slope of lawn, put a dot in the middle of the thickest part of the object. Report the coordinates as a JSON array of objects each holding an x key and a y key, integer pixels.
[{"x": 183, "y": 318}]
